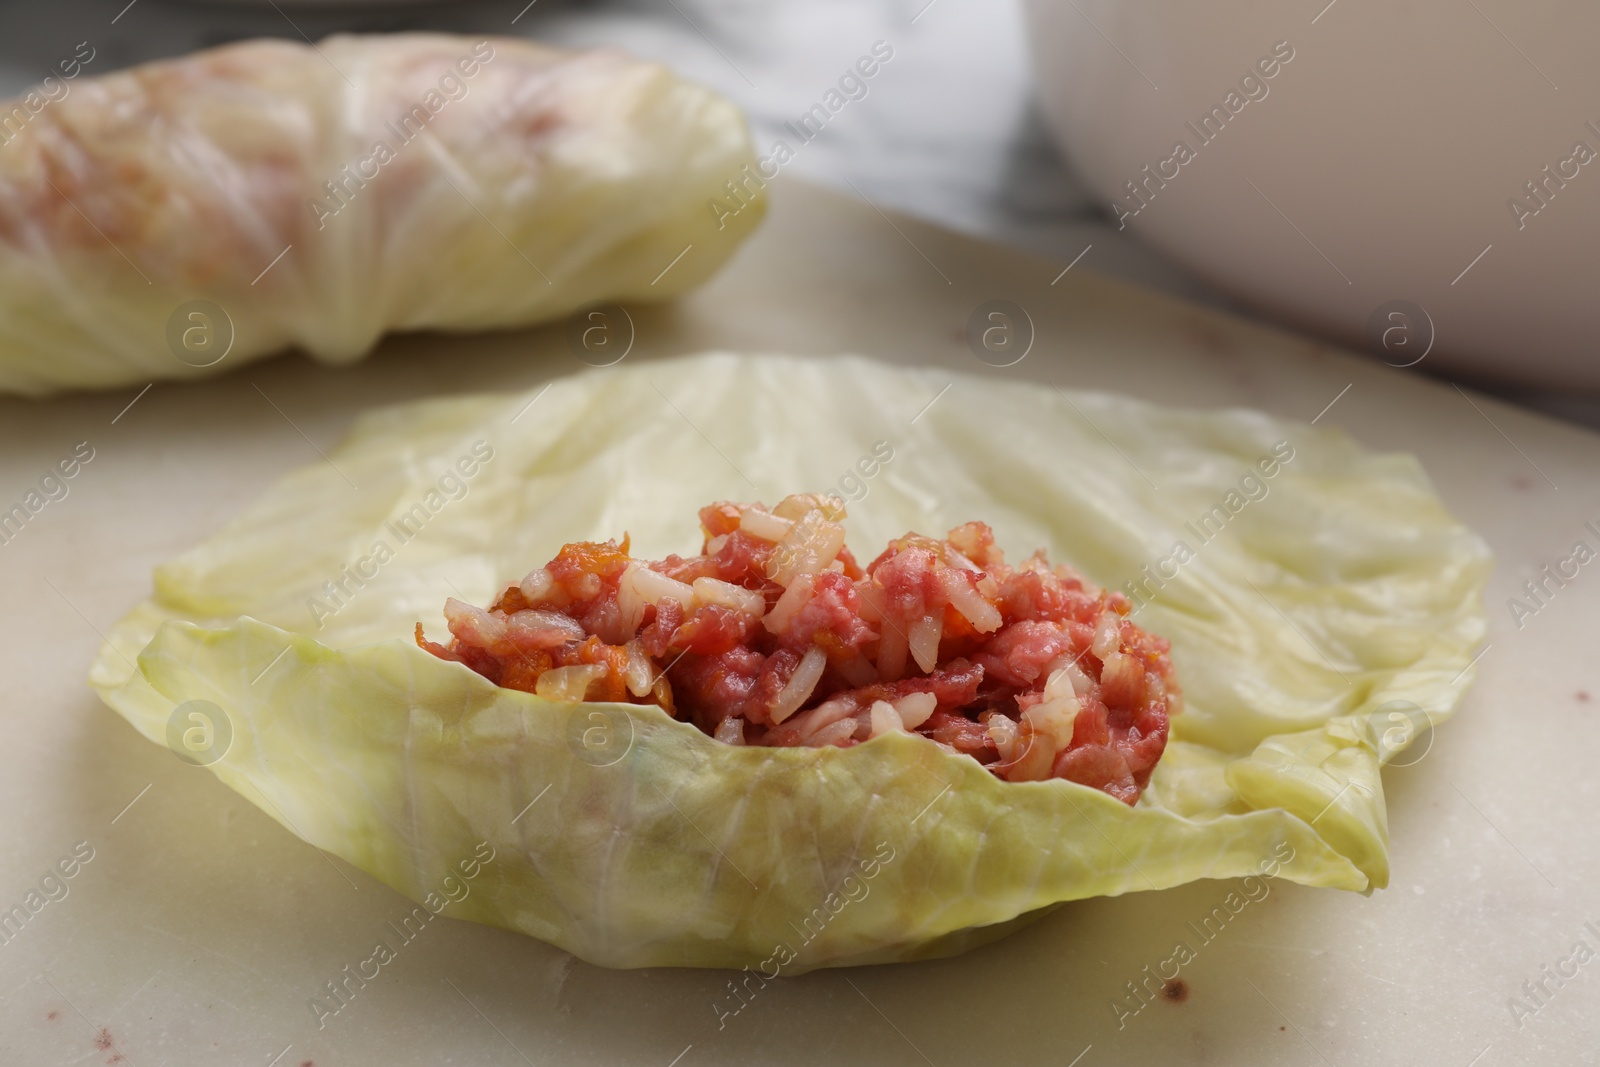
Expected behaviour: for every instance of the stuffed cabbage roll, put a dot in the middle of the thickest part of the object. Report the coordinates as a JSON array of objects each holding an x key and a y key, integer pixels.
[{"x": 185, "y": 216}]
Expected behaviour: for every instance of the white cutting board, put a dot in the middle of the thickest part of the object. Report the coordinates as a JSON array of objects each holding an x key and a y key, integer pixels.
[{"x": 201, "y": 928}]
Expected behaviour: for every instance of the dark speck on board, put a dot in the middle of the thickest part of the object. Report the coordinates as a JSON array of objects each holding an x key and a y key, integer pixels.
[{"x": 1176, "y": 990}]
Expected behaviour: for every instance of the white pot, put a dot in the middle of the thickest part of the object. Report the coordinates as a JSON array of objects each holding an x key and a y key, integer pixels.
[{"x": 1381, "y": 162}]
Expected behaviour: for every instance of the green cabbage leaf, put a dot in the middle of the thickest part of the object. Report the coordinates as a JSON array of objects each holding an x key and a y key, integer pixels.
[
  {"x": 179, "y": 218},
  {"x": 1323, "y": 608}
]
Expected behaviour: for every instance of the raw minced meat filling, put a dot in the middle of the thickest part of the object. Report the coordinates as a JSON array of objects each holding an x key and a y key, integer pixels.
[{"x": 776, "y": 635}]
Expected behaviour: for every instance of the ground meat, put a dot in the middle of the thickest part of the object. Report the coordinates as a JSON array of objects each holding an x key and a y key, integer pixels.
[
  {"x": 962, "y": 734},
  {"x": 1019, "y": 653},
  {"x": 775, "y": 635},
  {"x": 830, "y": 618}
]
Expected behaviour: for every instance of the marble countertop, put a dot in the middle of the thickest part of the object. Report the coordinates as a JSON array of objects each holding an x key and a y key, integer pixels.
[{"x": 948, "y": 130}]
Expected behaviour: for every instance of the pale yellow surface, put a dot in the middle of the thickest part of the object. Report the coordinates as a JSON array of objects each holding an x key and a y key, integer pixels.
[{"x": 201, "y": 928}]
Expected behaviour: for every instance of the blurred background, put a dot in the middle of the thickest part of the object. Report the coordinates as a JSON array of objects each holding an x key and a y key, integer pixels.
[{"x": 954, "y": 133}]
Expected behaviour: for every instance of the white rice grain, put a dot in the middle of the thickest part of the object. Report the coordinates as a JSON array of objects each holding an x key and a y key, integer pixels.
[
  {"x": 640, "y": 674},
  {"x": 569, "y": 684},
  {"x": 923, "y": 640},
  {"x": 537, "y": 585},
  {"x": 728, "y": 595},
  {"x": 1054, "y": 720},
  {"x": 802, "y": 683},
  {"x": 833, "y": 733},
  {"x": 959, "y": 591},
  {"x": 1107, "y": 635},
  {"x": 885, "y": 719},
  {"x": 765, "y": 525},
  {"x": 793, "y": 599},
  {"x": 914, "y": 709},
  {"x": 1003, "y": 732},
  {"x": 1066, "y": 667},
  {"x": 653, "y": 586},
  {"x": 534, "y": 630},
  {"x": 808, "y": 723}
]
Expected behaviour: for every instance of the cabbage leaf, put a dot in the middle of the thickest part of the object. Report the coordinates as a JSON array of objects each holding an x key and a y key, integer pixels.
[
  {"x": 179, "y": 218},
  {"x": 1309, "y": 605}
]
